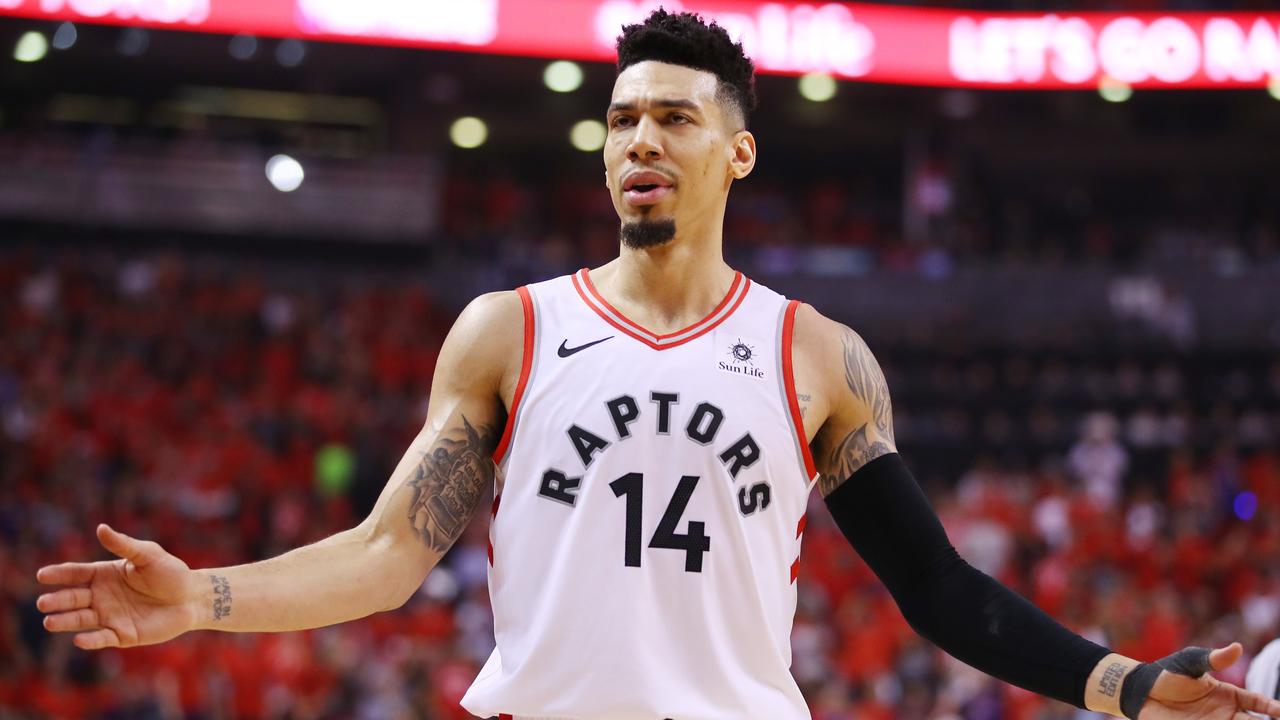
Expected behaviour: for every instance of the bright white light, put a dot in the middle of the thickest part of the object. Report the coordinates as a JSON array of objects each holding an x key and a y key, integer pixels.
[
  {"x": 1273, "y": 87},
  {"x": 588, "y": 135},
  {"x": 291, "y": 52},
  {"x": 468, "y": 132},
  {"x": 284, "y": 173},
  {"x": 817, "y": 87},
  {"x": 65, "y": 36},
  {"x": 243, "y": 47},
  {"x": 1113, "y": 90},
  {"x": 31, "y": 47},
  {"x": 563, "y": 76}
]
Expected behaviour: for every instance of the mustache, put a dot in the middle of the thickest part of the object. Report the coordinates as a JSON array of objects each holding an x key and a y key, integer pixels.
[{"x": 675, "y": 177}]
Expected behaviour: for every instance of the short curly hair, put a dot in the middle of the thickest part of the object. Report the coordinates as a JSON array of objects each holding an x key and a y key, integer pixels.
[{"x": 685, "y": 39}]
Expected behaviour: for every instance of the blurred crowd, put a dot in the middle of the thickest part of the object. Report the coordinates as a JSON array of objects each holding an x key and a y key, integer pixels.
[
  {"x": 232, "y": 412},
  {"x": 853, "y": 224}
]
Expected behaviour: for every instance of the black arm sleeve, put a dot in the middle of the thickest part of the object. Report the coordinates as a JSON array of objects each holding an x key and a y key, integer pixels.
[{"x": 886, "y": 517}]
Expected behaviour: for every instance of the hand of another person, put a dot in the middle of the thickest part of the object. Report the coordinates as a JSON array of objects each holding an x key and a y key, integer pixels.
[
  {"x": 1184, "y": 690},
  {"x": 143, "y": 598}
]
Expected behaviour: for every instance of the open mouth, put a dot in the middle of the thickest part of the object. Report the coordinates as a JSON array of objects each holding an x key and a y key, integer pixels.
[{"x": 645, "y": 188}]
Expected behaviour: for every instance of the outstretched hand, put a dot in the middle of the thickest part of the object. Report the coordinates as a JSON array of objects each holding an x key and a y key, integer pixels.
[
  {"x": 1190, "y": 693},
  {"x": 140, "y": 599}
]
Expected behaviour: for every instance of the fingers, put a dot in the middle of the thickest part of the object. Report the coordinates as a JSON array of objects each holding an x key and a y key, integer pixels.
[
  {"x": 76, "y": 620},
  {"x": 66, "y": 574},
  {"x": 1223, "y": 658},
  {"x": 1254, "y": 702},
  {"x": 97, "y": 639},
  {"x": 64, "y": 600},
  {"x": 118, "y": 543}
]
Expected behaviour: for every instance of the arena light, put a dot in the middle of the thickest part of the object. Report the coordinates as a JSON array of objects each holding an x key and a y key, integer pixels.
[
  {"x": 468, "y": 132},
  {"x": 588, "y": 135},
  {"x": 1273, "y": 87},
  {"x": 1113, "y": 90},
  {"x": 65, "y": 36},
  {"x": 133, "y": 42},
  {"x": 284, "y": 173},
  {"x": 290, "y": 53},
  {"x": 817, "y": 87},
  {"x": 242, "y": 47},
  {"x": 1245, "y": 505},
  {"x": 563, "y": 76},
  {"x": 31, "y": 47}
]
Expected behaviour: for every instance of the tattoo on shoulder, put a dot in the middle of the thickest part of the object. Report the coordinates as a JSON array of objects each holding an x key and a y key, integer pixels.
[
  {"x": 221, "y": 597},
  {"x": 449, "y": 481},
  {"x": 866, "y": 381},
  {"x": 852, "y": 453}
]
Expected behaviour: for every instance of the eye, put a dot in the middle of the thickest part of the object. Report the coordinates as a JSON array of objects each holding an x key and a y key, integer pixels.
[
  {"x": 620, "y": 121},
  {"x": 680, "y": 119}
]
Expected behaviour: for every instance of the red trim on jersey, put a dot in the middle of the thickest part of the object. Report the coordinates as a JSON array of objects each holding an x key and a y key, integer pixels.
[
  {"x": 505, "y": 716},
  {"x": 795, "y": 570},
  {"x": 586, "y": 277},
  {"x": 789, "y": 380},
  {"x": 800, "y": 526},
  {"x": 596, "y": 302},
  {"x": 526, "y": 362},
  {"x": 493, "y": 513}
]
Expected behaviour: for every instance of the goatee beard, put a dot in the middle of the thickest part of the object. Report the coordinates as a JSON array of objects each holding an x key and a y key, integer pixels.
[{"x": 647, "y": 233}]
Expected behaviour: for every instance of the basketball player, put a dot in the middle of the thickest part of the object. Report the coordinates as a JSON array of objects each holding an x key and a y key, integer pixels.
[
  {"x": 1264, "y": 671},
  {"x": 652, "y": 429}
]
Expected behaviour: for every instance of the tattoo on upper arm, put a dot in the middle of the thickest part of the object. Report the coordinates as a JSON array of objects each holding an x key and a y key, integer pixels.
[
  {"x": 221, "y": 597},
  {"x": 851, "y": 454},
  {"x": 866, "y": 381},
  {"x": 449, "y": 481}
]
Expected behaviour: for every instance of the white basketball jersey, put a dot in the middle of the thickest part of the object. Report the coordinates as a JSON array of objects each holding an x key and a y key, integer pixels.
[{"x": 645, "y": 544}]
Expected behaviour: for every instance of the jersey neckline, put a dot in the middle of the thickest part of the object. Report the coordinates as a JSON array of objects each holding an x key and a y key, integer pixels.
[{"x": 594, "y": 300}]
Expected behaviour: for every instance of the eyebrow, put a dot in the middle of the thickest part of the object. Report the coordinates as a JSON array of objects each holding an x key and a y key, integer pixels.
[{"x": 680, "y": 103}]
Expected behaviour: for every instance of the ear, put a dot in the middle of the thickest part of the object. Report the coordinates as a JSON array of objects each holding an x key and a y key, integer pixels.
[{"x": 744, "y": 154}]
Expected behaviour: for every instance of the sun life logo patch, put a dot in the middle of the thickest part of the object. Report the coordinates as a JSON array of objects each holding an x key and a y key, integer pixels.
[{"x": 740, "y": 355}]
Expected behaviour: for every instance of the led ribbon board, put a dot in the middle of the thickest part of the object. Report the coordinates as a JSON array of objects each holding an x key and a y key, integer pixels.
[{"x": 912, "y": 46}]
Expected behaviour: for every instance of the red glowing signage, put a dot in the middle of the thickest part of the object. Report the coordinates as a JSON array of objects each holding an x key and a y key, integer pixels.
[{"x": 856, "y": 41}]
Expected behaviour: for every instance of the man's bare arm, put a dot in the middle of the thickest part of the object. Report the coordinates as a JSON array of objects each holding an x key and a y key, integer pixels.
[
  {"x": 848, "y": 396},
  {"x": 150, "y": 596}
]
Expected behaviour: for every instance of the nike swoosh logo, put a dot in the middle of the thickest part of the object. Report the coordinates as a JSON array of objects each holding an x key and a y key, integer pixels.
[{"x": 567, "y": 351}]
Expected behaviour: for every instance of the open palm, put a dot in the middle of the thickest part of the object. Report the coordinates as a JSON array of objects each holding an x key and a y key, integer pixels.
[
  {"x": 140, "y": 599},
  {"x": 1179, "y": 697}
]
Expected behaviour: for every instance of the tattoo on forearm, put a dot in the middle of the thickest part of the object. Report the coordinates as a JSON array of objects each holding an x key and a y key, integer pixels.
[
  {"x": 221, "y": 597},
  {"x": 449, "y": 481},
  {"x": 1109, "y": 683},
  {"x": 866, "y": 380},
  {"x": 852, "y": 453}
]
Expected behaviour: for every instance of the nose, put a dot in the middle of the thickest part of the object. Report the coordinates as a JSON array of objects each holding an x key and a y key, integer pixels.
[{"x": 645, "y": 142}]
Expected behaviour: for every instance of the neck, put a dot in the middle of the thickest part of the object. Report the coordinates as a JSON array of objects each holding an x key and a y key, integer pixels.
[{"x": 674, "y": 282}]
